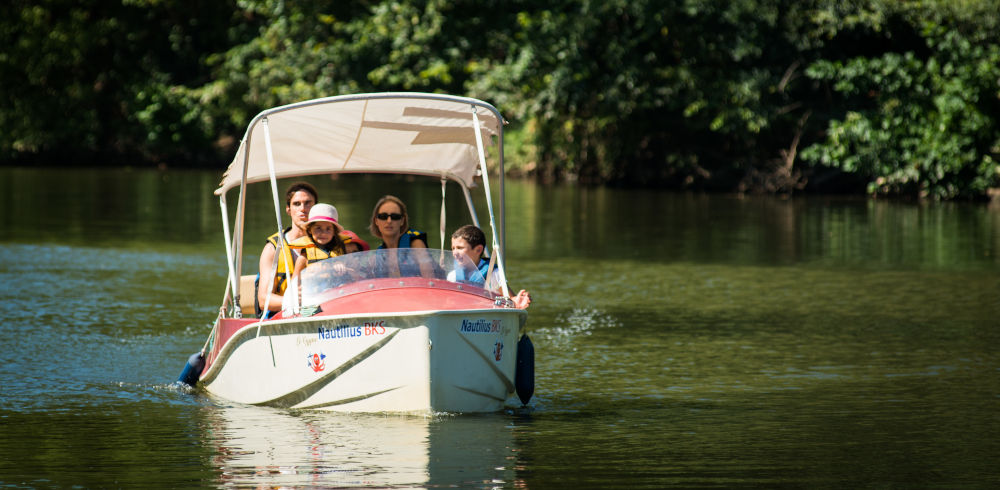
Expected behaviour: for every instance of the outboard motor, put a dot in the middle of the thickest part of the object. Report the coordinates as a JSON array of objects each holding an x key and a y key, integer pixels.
[
  {"x": 192, "y": 370},
  {"x": 524, "y": 373}
]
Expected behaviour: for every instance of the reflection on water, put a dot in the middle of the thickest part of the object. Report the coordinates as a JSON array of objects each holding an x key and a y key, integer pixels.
[
  {"x": 257, "y": 446},
  {"x": 268, "y": 447}
]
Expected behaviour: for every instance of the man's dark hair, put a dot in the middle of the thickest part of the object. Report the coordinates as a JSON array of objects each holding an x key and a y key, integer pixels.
[{"x": 300, "y": 186}]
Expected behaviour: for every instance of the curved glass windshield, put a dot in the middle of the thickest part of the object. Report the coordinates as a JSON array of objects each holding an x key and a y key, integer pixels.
[{"x": 334, "y": 272}]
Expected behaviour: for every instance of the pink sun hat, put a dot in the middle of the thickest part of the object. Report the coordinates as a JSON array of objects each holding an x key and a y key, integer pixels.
[{"x": 323, "y": 212}]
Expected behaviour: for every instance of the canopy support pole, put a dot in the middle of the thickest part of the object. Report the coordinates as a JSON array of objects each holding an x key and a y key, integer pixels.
[
  {"x": 489, "y": 201},
  {"x": 277, "y": 215},
  {"x": 472, "y": 212},
  {"x": 238, "y": 228},
  {"x": 444, "y": 183},
  {"x": 233, "y": 279}
]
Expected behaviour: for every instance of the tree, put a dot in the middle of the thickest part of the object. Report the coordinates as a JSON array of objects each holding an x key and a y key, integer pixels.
[
  {"x": 103, "y": 82},
  {"x": 921, "y": 120}
]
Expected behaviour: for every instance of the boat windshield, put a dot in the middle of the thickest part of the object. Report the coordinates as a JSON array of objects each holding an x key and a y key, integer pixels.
[{"x": 324, "y": 275}]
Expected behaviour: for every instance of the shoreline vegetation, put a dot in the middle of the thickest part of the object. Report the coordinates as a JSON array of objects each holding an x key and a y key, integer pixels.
[{"x": 875, "y": 97}]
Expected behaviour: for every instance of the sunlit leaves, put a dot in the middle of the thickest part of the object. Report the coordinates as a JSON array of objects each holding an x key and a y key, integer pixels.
[{"x": 923, "y": 126}]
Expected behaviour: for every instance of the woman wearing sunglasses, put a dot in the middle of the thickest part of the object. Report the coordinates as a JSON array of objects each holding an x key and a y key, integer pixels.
[{"x": 391, "y": 223}]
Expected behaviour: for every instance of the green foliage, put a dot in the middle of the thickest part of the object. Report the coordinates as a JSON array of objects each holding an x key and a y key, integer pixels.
[
  {"x": 921, "y": 122},
  {"x": 95, "y": 82},
  {"x": 314, "y": 49},
  {"x": 765, "y": 95},
  {"x": 608, "y": 85}
]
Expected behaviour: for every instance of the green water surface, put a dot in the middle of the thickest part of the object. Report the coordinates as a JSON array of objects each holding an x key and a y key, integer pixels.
[{"x": 681, "y": 340}]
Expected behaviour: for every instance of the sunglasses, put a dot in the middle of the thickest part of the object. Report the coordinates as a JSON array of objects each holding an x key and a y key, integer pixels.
[{"x": 385, "y": 216}]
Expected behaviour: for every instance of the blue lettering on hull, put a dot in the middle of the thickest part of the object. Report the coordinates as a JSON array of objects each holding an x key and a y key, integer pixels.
[
  {"x": 339, "y": 332},
  {"x": 480, "y": 326}
]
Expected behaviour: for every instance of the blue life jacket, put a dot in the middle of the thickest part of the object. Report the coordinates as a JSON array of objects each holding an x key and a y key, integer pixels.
[
  {"x": 407, "y": 266},
  {"x": 409, "y": 236},
  {"x": 461, "y": 275}
]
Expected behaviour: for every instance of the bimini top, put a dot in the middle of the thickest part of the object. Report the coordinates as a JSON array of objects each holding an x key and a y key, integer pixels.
[{"x": 410, "y": 133}]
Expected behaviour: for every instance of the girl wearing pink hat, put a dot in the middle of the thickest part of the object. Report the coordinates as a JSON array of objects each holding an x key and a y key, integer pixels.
[{"x": 323, "y": 237}]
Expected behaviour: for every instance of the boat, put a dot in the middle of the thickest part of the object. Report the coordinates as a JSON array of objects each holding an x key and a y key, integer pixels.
[{"x": 388, "y": 330}]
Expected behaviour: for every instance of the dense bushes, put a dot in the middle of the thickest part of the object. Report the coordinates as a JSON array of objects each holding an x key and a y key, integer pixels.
[{"x": 769, "y": 95}]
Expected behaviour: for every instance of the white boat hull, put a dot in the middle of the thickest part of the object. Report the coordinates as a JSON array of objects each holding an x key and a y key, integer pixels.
[{"x": 450, "y": 361}]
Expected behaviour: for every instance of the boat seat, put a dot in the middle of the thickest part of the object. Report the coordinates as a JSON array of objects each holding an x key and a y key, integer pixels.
[{"x": 248, "y": 292}]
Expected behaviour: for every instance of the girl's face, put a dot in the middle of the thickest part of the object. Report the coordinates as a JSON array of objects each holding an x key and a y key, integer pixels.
[
  {"x": 322, "y": 232},
  {"x": 389, "y": 219}
]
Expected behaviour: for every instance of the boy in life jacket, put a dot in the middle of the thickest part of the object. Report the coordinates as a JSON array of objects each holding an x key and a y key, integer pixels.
[
  {"x": 470, "y": 241},
  {"x": 322, "y": 239}
]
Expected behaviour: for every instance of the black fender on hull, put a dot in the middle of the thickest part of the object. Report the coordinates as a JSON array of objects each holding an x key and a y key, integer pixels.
[
  {"x": 524, "y": 373},
  {"x": 192, "y": 370}
]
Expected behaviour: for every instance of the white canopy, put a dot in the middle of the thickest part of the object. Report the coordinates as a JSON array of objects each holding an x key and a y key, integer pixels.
[{"x": 410, "y": 133}]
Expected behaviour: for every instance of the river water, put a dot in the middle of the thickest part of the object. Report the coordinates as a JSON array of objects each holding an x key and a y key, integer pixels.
[{"x": 682, "y": 340}]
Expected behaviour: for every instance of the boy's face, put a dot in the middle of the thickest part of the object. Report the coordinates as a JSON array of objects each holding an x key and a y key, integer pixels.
[
  {"x": 459, "y": 247},
  {"x": 352, "y": 247}
]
